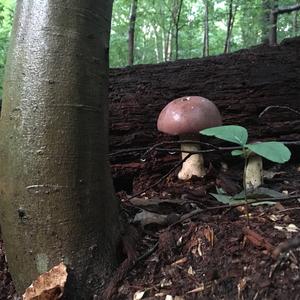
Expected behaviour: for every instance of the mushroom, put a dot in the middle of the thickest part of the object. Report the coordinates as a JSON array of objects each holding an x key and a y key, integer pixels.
[
  {"x": 185, "y": 117},
  {"x": 254, "y": 172}
]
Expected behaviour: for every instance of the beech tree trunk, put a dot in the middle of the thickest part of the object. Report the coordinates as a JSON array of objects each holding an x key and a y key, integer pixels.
[{"x": 57, "y": 201}]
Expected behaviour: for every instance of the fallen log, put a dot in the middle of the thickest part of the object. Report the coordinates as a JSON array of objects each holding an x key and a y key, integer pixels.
[
  {"x": 242, "y": 84},
  {"x": 258, "y": 88}
]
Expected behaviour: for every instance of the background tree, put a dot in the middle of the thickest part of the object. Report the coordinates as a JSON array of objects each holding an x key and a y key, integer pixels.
[
  {"x": 267, "y": 5},
  {"x": 6, "y": 17},
  {"x": 206, "y": 29},
  {"x": 154, "y": 34},
  {"x": 131, "y": 31},
  {"x": 275, "y": 12},
  {"x": 232, "y": 8},
  {"x": 57, "y": 201}
]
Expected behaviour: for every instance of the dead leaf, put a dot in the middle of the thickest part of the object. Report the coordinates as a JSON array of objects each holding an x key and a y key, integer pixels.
[
  {"x": 139, "y": 295},
  {"x": 165, "y": 282},
  {"x": 179, "y": 261},
  {"x": 209, "y": 235},
  {"x": 49, "y": 285},
  {"x": 198, "y": 289},
  {"x": 154, "y": 201},
  {"x": 270, "y": 174},
  {"x": 146, "y": 218},
  {"x": 191, "y": 271},
  {"x": 169, "y": 297},
  {"x": 288, "y": 228},
  {"x": 241, "y": 286}
]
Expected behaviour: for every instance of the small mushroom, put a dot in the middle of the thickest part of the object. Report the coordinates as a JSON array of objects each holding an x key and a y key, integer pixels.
[
  {"x": 185, "y": 117},
  {"x": 254, "y": 172}
]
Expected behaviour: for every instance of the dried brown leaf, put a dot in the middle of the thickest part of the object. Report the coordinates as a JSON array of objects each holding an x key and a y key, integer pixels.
[{"x": 49, "y": 285}]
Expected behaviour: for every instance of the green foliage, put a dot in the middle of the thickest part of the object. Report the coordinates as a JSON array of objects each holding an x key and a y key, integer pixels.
[
  {"x": 229, "y": 133},
  {"x": 239, "y": 199},
  {"x": 6, "y": 17},
  {"x": 154, "y": 26},
  {"x": 154, "y": 20},
  {"x": 273, "y": 151}
]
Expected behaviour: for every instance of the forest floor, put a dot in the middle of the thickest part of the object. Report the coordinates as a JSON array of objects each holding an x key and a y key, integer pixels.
[
  {"x": 219, "y": 252},
  {"x": 181, "y": 243}
]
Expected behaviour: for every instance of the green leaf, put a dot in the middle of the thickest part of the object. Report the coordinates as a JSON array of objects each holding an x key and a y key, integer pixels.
[
  {"x": 229, "y": 133},
  {"x": 239, "y": 199},
  {"x": 262, "y": 192},
  {"x": 263, "y": 203},
  {"x": 237, "y": 153},
  {"x": 225, "y": 199},
  {"x": 273, "y": 151}
]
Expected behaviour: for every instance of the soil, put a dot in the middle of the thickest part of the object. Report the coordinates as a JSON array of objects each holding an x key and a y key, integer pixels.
[{"x": 218, "y": 253}]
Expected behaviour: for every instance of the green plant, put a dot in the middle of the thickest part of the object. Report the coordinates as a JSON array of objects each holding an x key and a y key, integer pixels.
[{"x": 252, "y": 153}]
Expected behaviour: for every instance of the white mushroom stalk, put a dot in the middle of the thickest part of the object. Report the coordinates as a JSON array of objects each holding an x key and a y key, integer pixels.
[
  {"x": 194, "y": 165},
  {"x": 254, "y": 172}
]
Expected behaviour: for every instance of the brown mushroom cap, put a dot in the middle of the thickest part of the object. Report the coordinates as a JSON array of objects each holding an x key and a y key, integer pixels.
[{"x": 187, "y": 115}]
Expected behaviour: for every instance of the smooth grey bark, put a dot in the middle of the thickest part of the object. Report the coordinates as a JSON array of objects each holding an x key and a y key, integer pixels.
[
  {"x": 56, "y": 195},
  {"x": 131, "y": 32}
]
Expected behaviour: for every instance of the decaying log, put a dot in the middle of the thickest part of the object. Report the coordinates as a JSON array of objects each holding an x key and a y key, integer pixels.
[{"x": 241, "y": 84}]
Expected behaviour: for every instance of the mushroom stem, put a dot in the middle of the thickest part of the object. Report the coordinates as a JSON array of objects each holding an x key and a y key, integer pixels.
[
  {"x": 193, "y": 165},
  {"x": 254, "y": 172}
]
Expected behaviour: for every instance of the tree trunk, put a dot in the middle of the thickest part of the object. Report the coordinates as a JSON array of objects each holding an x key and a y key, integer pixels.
[
  {"x": 273, "y": 20},
  {"x": 57, "y": 201},
  {"x": 231, "y": 16},
  {"x": 168, "y": 42},
  {"x": 131, "y": 32},
  {"x": 265, "y": 21},
  {"x": 206, "y": 30},
  {"x": 295, "y": 23},
  {"x": 176, "y": 18}
]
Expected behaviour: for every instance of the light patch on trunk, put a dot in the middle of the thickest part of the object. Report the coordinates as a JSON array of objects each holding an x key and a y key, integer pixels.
[{"x": 42, "y": 262}]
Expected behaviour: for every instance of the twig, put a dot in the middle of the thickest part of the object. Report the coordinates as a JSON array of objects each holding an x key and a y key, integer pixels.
[
  {"x": 287, "y": 246},
  {"x": 278, "y": 107},
  {"x": 257, "y": 240},
  {"x": 289, "y": 209},
  {"x": 287, "y": 9},
  {"x": 156, "y": 147},
  {"x": 160, "y": 180},
  {"x": 198, "y": 210},
  {"x": 146, "y": 254}
]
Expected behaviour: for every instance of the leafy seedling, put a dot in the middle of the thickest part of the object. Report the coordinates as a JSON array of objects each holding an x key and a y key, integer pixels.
[{"x": 252, "y": 154}]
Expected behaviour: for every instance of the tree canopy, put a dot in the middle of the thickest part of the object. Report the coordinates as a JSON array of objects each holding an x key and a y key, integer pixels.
[{"x": 238, "y": 23}]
